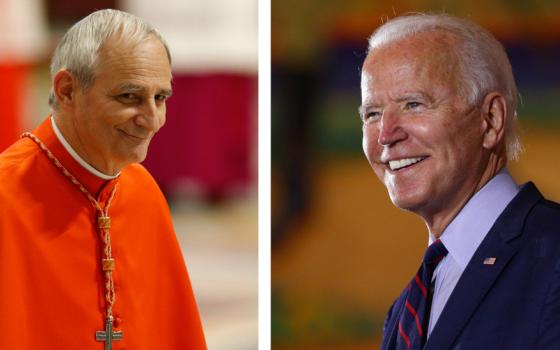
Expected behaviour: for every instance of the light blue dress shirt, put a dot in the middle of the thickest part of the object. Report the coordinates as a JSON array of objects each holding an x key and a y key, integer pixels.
[{"x": 465, "y": 233}]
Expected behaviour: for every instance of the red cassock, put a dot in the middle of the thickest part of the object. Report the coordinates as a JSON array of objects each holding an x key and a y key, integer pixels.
[{"x": 51, "y": 283}]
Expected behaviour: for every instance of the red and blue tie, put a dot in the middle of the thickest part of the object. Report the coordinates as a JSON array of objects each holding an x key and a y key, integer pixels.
[{"x": 413, "y": 322}]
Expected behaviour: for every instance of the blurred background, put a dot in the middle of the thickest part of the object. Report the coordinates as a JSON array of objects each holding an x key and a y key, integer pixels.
[
  {"x": 341, "y": 252},
  {"x": 204, "y": 159}
]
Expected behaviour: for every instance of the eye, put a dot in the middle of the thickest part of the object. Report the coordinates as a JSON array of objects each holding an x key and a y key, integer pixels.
[
  {"x": 161, "y": 98},
  {"x": 371, "y": 116},
  {"x": 412, "y": 105},
  {"x": 128, "y": 98}
]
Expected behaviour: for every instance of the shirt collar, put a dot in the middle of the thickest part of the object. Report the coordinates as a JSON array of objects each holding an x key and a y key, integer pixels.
[
  {"x": 467, "y": 230},
  {"x": 93, "y": 183}
]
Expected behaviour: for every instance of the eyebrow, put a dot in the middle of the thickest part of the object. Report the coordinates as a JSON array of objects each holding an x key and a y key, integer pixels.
[
  {"x": 128, "y": 87},
  {"x": 414, "y": 96},
  {"x": 131, "y": 88},
  {"x": 409, "y": 96}
]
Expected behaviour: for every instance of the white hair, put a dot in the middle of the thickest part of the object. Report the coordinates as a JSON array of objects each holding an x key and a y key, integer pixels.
[
  {"x": 483, "y": 62},
  {"x": 78, "y": 51}
]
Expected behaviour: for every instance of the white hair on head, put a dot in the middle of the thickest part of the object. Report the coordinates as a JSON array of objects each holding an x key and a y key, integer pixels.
[
  {"x": 78, "y": 51},
  {"x": 483, "y": 62}
]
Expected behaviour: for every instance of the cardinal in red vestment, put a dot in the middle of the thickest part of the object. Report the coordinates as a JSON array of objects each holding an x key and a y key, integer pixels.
[{"x": 88, "y": 254}]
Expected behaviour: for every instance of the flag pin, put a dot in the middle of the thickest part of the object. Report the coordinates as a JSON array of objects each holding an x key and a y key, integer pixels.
[{"x": 489, "y": 261}]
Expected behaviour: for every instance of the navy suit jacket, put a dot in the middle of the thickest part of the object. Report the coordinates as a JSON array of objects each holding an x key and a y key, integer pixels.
[{"x": 512, "y": 304}]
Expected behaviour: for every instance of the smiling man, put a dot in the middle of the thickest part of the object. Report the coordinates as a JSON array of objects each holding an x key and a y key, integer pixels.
[
  {"x": 438, "y": 109},
  {"x": 88, "y": 255}
]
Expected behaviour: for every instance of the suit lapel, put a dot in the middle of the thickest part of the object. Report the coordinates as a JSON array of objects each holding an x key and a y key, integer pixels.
[
  {"x": 502, "y": 242},
  {"x": 473, "y": 285}
]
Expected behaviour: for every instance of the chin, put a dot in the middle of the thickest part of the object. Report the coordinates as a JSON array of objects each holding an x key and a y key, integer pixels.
[
  {"x": 134, "y": 157},
  {"x": 139, "y": 153},
  {"x": 138, "y": 158},
  {"x": 407, "y": 201}
]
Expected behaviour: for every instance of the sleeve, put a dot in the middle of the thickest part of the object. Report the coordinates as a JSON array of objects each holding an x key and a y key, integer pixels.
[
  {"x": 387, "y": 318},
  {"x": 549, "y": 328}
]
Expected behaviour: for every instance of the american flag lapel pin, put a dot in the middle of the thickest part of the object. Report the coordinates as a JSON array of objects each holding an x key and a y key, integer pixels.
[{"x": 489, "y": 261}]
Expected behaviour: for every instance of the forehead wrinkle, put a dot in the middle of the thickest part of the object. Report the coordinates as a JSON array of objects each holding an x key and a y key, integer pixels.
[
  {"x": 425, "y": 56},
  {"x": 135, "y": 78},
  {"x": 437, "y": 58},
  {"x": 134, "y": 69},
  {"x": 143, "y": 59}
]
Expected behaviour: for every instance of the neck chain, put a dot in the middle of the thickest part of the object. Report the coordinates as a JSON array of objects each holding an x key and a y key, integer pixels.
[{"x": 107, "y": 260}]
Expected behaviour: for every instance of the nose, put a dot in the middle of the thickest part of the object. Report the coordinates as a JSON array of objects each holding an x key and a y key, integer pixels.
[
  {"x": 152, "y": 116},
  {"x": 390, "y": 129}
]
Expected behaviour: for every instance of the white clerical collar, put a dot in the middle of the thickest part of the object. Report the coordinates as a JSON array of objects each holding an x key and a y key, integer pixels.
[{"x": 75, "y": 155}]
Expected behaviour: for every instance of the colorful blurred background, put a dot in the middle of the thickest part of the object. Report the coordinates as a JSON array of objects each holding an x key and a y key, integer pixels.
[
  {"x": 341, "y": 251},
  {"x": 204, "y": 159}
]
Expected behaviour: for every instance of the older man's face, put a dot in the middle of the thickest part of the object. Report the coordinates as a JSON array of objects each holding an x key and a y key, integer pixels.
[
  {"x": 117, "y": 116},
  {"x": 422, "y": 139}
]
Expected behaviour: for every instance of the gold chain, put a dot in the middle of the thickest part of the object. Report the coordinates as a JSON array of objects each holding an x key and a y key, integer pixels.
[{"x": 103, "y": 223}]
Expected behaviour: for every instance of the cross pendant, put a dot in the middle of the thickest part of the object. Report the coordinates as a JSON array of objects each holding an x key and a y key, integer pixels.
[{"x": 108, "y": 335}]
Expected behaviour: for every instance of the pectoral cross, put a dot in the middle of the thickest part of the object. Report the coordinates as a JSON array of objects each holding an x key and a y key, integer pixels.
[{"x": 108, "y": 335}]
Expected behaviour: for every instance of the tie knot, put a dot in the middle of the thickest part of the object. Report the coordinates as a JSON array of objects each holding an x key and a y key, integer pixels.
[{"x": 435, "y": 252}]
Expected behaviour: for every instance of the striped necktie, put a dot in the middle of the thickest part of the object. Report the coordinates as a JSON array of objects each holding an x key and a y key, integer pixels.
[{"x": 413, "y": 322}]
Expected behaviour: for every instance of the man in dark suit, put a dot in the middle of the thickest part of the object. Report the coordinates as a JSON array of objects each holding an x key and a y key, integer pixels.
[{"x": 438, "y": 108}]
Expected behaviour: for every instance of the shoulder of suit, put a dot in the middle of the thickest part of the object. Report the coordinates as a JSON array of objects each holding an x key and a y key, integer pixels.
[
  {"x": 17, "y": 157},
  {"x": 138, "y": 172},
  {"x": 546, "y": 211},
  {"x": 543, "y": 223},
  {"x": 19, "y": 161},
  {"x": 137, "y": 176},
  {"x": 553, "y": 206}
]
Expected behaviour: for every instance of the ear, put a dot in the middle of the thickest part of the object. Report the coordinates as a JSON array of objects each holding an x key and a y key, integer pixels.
[
  {"x": 64, "y": 87},
  {"x": 494, "y": 110}
]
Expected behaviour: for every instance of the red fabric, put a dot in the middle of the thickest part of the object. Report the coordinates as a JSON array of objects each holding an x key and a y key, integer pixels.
[
  {"x": 209, "y": 134},
  {"x": 12, "y": 83},
  {"x": 51, "y": 285}
]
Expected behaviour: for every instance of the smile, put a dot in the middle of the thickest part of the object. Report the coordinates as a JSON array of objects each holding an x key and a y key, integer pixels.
[
  {"x": 138, "y": 138},
  {"x": 403, "y": 163}
]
